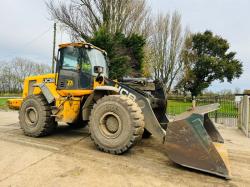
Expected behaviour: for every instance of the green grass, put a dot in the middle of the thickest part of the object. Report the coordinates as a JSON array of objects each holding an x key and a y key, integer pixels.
[
  {"x": 176, "y": 107},
  {"x": 3, "y": 103},
  {"x": 227, "y": 108}
]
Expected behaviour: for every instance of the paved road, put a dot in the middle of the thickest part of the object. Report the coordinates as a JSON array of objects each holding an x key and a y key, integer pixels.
[{"x": 69, "y": 158}]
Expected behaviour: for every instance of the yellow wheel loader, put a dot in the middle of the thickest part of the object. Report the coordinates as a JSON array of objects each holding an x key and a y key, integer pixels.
[{"x": 120, "y": 113}]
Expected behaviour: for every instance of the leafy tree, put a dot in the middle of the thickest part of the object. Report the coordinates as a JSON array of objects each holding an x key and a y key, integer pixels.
[
  {"x": 125, "y": 53},
  {"x": 207, "y": 59}
]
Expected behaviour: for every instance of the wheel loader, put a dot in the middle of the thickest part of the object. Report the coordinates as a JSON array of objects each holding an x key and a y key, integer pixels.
[{"x": 118, "y": 113}]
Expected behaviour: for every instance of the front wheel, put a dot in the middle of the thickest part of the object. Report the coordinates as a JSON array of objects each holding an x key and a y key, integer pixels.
[
  {"x": 116, "y": 124},
  {"x": 35, "y": 116}
]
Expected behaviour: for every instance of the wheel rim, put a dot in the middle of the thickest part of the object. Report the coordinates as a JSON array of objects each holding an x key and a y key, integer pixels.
[
  {"x": 110, "y": 125},
  {"x": 31, "y": 116}
]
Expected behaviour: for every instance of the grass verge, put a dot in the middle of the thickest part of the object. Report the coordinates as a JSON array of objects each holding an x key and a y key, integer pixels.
[
  {"x": 227, "y": 108},
  {"x": 3, "y": 103}
]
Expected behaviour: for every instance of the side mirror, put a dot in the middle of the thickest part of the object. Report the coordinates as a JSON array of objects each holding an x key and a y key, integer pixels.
[{"x": 98, "y": 69}]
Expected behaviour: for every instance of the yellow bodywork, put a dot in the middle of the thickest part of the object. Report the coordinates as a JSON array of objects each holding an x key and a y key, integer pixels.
[
  {"x": 68, "y": 109},
  {"x": 67, "y": 102},
  {"x": 15, "y": 103}
]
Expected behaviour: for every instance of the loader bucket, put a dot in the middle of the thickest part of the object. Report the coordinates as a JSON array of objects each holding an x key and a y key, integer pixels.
[{"x": 193, "y": 141}]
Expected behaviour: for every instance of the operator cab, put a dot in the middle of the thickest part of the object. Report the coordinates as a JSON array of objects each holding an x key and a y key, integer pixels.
[{"x": 78, "y": 66}]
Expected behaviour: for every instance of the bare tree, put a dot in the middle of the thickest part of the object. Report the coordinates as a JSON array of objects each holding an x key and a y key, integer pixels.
[
  {"x": 13, "y": 73},
  {"x": 84, "y": 17},
  {"x": 167, "y": 42}
]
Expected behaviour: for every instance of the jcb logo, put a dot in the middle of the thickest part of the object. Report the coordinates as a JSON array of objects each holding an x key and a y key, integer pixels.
[
  {"x": 70, "y": 83},
  {"x": 123, "y": 91}
]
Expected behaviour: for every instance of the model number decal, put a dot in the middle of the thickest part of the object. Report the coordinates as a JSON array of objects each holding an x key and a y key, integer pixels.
[
  {"x": 123, "y": 91},
  {"x": 48, "y": 80},
  {"x": 70, "y": 83}
]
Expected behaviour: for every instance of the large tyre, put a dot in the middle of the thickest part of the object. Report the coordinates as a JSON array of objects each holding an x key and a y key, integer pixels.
[
  {"x": 35, "y": 116},
  {"x": 116, "y": 124}
]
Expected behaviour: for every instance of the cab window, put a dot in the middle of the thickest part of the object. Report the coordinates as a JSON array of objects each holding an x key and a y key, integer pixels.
[{"x": 70, "y": 59}]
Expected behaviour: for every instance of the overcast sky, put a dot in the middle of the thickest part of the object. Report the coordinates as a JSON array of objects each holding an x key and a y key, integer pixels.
[{"x": 26, "y": 30}]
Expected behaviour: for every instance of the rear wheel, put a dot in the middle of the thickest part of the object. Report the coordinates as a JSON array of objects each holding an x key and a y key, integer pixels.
[
  {"x": 116, "y": 124},
  {"x": 35, "y": 116}
]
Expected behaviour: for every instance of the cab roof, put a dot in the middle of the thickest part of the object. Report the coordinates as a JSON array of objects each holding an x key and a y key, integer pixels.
[{"x": 80, "y": 44}]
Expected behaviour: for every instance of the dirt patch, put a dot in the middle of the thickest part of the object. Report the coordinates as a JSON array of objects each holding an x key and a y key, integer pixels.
[{"x": 69, "y": 158}]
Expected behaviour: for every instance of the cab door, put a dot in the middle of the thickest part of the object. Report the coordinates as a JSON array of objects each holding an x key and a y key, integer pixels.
[{"x": 70, "y": 72}]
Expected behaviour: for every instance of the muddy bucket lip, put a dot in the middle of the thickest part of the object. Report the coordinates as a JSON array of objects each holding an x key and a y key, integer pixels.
[{"x": 227, "y": 177}]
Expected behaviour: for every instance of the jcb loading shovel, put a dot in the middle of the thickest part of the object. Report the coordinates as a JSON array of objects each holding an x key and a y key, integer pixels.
[{"x": 193, "y": 141}]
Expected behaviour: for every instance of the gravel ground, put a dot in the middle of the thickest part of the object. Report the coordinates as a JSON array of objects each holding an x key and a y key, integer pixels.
[{"x": 69, "y": 158}]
